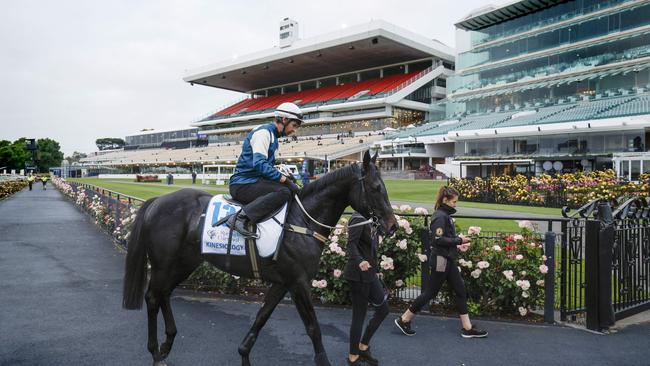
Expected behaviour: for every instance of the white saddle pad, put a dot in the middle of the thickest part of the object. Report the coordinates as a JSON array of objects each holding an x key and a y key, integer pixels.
[{"x": 215, "y": 239}]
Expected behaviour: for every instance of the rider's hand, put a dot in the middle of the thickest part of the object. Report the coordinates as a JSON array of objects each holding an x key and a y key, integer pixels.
[
  {"x": 295, "y": 189},
  {"x": 463, "y": 247},
  {"x": 364, "y": 266},
  {"x": 283, "y": 179},
  {"x": 465, "y": 240}
]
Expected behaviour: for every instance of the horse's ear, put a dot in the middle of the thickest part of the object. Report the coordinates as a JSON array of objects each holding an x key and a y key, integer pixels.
[
  {"x": 374, "y": 158},
  {"x": 366, "y": 159}
]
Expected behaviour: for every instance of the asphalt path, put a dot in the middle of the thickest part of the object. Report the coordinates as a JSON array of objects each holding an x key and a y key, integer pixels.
[{"x": 60, "y": 296}]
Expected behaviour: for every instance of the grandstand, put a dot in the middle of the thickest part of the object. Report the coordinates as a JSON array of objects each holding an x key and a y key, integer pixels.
[
  {"x": 354, "y": 86},
  {"x": 542, "y": 85}
]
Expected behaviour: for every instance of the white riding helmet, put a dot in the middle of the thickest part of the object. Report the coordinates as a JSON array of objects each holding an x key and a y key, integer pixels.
[{"x": 289, "y": 111}]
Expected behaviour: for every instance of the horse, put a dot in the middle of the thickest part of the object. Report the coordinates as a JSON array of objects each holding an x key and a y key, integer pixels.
[{"x": 166, "y": 231}]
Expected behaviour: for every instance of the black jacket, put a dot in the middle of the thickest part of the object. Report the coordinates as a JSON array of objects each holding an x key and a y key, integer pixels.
[
  {"x": 361, "y": 247},
  {"x": 443, "y": 233}
]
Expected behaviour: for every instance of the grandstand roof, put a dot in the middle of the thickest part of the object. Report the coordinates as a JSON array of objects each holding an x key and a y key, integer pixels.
[
  {"x": 490, "y": 15},
  {"x": 368, "y": 45}
]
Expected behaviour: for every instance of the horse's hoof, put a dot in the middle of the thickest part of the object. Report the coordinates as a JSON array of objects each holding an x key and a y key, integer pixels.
[
  {"x": 245, "y": 361},
  {"x": 160, "y": 363},
  {"x": 321, "y": 359}
]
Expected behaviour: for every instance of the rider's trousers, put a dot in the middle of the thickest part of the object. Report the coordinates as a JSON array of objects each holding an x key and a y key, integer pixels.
[{"x": 260, "y": 198}]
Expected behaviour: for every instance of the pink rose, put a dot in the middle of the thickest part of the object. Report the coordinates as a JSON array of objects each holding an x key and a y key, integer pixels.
[
  {"x": 337, "y": 273},
  {"x": 543, "y": 269}
]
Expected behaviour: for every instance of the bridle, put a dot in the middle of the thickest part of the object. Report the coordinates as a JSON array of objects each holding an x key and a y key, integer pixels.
[{"x": 373, "y": 220}]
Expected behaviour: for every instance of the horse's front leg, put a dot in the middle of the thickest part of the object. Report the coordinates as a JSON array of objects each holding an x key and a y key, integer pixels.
[
  {"x": 301, "y": 297},
  {"x": 271, "y": 300}
]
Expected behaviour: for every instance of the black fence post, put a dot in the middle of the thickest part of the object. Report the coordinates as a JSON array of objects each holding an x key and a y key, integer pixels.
[
  {"x": 598, "y": 269},
  {"x": 591, "y": 274},
  {"x": 549, "y": 278},
  {"x": 605, "y": 259}
]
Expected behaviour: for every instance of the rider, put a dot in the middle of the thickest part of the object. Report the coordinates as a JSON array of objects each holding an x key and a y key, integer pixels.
[{"x": 256, "y": 183}]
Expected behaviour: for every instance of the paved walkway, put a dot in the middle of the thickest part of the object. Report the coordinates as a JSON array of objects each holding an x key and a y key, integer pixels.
[{"x": 60, "y": 286}]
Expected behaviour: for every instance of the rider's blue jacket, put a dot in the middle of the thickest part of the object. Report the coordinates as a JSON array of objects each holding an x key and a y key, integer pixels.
[{"x": 258, "y": 156}]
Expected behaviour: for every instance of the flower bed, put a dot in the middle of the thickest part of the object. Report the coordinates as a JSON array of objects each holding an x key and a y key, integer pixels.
[
  {"x": 118, "y": 224},
  {"x": 7, "y": 188},
  {"x": 503, "y": 273},
  {"x": 571, "y": 189}
]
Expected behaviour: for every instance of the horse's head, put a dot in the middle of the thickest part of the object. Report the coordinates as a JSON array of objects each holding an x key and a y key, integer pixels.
[{"x": 372, "y": 202}]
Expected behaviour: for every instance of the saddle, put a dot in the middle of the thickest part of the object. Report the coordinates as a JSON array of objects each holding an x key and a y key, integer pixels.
[{"x": 219, "y": 239}]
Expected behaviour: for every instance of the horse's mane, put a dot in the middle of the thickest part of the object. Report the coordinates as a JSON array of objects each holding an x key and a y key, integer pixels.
[{"x": 328, "y": 179}]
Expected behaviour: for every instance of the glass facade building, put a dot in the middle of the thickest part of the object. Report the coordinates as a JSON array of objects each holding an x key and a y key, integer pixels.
[
  {"x": 573, "y": 50},
  {"x": 530, "y": 64}
]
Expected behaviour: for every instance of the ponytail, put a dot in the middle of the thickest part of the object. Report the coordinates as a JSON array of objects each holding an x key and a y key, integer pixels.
[{"x": 445, "y": 192}]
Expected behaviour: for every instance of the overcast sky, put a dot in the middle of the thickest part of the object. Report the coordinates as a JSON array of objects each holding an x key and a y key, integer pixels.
[{"x": 79, "y": 70}]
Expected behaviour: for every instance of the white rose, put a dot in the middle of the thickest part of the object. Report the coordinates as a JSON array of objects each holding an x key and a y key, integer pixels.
[
  {"x": 482, "y": 264},
  {"x": 476, "y": 273},
  {"x": 519, "y": 257},
  {"x": 509, "y": 275},
  {"x": 399, "y": 283},
  {"x": 496, "y": 248},
  {"x": 525, "y": 294},
  {"x": 523, "y": 311},
  {"x": 422, "y": 257}
]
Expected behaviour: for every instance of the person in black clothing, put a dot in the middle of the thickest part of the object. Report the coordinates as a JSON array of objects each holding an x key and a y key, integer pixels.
[
  {"x": 442, "y": 262},
  {"x": 365, "y": 287}
]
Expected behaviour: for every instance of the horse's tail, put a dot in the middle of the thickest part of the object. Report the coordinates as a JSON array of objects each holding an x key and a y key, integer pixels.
[{"x": 135, "y": 272}]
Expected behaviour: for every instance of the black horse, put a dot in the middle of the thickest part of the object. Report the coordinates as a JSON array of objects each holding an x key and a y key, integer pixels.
[{"x": 166, "y": 231}]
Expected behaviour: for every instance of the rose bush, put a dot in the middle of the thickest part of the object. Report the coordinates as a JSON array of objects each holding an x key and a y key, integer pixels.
[
  {"x": 399, "y": 258},
  {"x": 505, "y": 273}
]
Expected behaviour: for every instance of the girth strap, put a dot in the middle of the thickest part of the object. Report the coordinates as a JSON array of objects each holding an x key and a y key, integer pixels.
[{"x": 305, "y": 231}]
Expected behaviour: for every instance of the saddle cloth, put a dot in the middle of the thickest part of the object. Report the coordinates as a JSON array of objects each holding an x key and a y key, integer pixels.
[{"x": 215, "y": 239}]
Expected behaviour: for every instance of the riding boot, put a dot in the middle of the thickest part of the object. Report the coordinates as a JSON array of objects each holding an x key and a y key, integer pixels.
[{"x": 239, "y": 222}]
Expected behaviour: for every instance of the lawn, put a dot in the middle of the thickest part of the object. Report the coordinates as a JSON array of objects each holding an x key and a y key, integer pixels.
[
  {"x": 147, "y": 190},
  {"x": 424, "y": 192}
]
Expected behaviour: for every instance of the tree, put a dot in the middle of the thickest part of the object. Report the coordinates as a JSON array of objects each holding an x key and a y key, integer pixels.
[
  {"x": 75, "y": 157},
  {"x": 49, "y": 154},
  {"x": 108, "y": 143},
  {"x": 14, "y": 155}
]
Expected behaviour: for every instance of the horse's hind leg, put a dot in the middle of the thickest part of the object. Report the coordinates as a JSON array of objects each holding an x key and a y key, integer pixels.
[
  {"x": 170, "y": 326},
  {"x": 271, "y": 300},
  {"x": 171, "y": 281},
  {"x": 153, "y": 299},
  {"x": 300, "y": 294}
]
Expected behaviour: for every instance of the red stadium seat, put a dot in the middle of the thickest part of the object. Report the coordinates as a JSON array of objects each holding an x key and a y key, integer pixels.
[{"x": 325, "y": 94}]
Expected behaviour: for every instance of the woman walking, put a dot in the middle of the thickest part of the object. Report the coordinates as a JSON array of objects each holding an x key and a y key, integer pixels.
[
  {"x": 365, "y": 287},
  {"x": 445, "y": 245}
]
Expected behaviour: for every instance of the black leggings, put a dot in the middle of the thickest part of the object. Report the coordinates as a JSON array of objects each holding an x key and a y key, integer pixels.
[
  {"x": 261, "y": 198},
  {"x": 442, "y": 269},
  {"x": 361, "y": 294}
]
